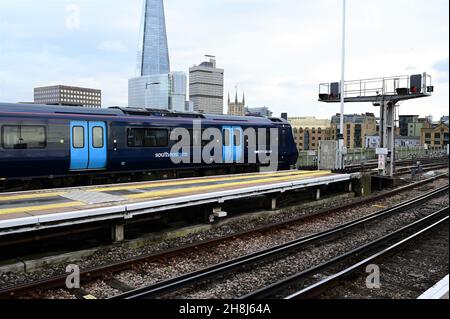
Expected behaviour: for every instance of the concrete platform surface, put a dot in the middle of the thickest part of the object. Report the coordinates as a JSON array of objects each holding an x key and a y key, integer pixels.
[
  {"x": 39, "y": 208},
  {"x": 438, "y": 291}
]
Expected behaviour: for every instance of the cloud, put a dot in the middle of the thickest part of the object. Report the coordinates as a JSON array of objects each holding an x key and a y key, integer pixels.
[
  {"x": 115, "y": 46},
  {"x": 441, "y": 66},
  {"x": 277, "y": 51}
]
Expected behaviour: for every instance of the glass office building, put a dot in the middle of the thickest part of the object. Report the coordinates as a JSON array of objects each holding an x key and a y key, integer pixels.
[
  {"x": 155, "y": 86},
  {"x": 178, "y": 84},
  {"x": 151, "y": 91},
  {"x": 160, "y": 91},
  {"x": 153, "y": 51}
]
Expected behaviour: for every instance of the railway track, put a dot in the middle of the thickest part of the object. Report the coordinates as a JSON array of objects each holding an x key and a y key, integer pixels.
[
  {"x": 426, "y": 167},
  {"x": 171, "y": 288},
  {"x": 36, "y": 288},
  {"x": 340, "y": 268},
  {"x": 402, "y": 166},
  {"x": 405, "y": 271}
]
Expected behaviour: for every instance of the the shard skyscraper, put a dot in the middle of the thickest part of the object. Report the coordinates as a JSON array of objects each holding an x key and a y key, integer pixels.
[
  {"x": 153, "y": 51},
  {"x": 155, "y": 86}
]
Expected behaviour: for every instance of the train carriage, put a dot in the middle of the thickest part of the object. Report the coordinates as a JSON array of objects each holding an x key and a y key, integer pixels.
[{"x": 72, "y": 145}]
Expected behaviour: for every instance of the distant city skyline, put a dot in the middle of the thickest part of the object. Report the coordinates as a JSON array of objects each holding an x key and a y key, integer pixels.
[{"x": 278, "y": 51}]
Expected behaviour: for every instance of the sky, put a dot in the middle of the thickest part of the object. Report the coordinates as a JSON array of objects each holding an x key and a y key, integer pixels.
[{"x": 276, "y": 51}]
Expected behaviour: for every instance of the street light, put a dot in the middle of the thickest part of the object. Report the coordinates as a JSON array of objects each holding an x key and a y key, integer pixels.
[{"x": 341, "y": 135}]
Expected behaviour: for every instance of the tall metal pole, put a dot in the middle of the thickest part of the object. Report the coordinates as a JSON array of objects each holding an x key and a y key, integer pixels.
[{"x": 342, "y": 89}]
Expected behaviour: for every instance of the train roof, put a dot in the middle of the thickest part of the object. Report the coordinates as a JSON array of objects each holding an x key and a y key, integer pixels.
[{"x": 133, "y": 112}]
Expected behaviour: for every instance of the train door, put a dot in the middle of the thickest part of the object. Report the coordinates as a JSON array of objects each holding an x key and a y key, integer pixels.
[
  {"x": 88, "y": 149},
  {"x": 79, "y": 149},
  {"x": 238, "y": 145},
  {"x": 233, "y": 147},
  {"x": 227, "y": 144},
  {"x": 97, "y": 145}
]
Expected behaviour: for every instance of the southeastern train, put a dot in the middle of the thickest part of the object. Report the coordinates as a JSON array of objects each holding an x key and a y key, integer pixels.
[{"x": 59, "y": 146}]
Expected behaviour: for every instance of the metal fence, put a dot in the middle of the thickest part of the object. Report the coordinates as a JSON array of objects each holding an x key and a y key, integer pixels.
[
  {"x": 359, "y": 155},
  {"x": 309, "y": 159}
]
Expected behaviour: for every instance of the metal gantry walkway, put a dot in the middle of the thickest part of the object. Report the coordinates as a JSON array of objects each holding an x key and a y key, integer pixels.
[
  {"x": 384, "y": 93},
  {"x": 388, "y": 89}
]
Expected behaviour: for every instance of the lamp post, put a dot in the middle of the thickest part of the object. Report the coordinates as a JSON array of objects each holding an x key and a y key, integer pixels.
[{"x": 342, "y": 89}]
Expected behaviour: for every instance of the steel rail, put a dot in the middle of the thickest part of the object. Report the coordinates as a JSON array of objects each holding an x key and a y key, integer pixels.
[
  {"x": 98, "y": 272},
  {"x": 400, "y": 169},
  {"x": 218, "y": 270},
  {"x": 272, "y": 290},
  {"x": 319, "y": 287}
]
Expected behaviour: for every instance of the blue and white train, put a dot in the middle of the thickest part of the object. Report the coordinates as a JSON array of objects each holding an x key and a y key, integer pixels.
[{"x": 53, "y": 146}]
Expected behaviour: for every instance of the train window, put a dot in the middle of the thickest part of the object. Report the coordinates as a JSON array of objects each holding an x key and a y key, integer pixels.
[
  {"x": 97, "y": 137},
  {"x": 148, "y": 137},
  {"x": 283, "y": 138},
  {"x": 33, "y": 136},
  {"x": 24, "y": 137},
  {"x": 237, "y": 138},
  {"x": 78, "y": 137},
  {"x": 10, "y": 137},
  {"x": 226, "y": 137}
]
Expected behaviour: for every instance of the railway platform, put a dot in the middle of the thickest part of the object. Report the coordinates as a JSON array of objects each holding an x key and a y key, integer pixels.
[
  {"x": 37, "y": 210},
  {"x": 438, "y": 291}
]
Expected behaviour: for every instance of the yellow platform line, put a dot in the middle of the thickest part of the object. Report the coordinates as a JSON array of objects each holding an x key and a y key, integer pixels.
[
  {"x": 211, "y": 187},
  {"x": 148, "y": 185},
  {"x": 159, "y": 194},
  {"x": 30, "y": 196},
  {"x": 38, "y": 208},
  {"x": 197, "y": 181}
]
